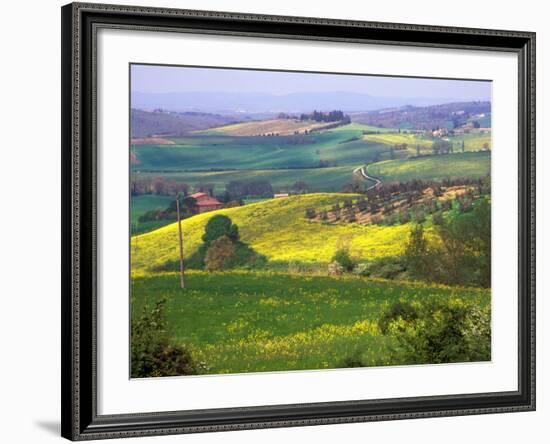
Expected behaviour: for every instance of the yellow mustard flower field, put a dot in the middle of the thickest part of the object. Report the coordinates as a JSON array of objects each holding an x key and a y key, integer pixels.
[{"x": 277, "y": 229}]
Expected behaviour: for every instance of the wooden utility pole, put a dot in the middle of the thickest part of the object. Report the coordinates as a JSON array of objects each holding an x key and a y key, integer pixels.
[
  {"x": 182, "y": 281},
  {"x": 136, "y": 237}
]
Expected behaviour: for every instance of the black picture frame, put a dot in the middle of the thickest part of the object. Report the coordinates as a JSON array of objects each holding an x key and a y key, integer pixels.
[{"x": 80, "y": 22}]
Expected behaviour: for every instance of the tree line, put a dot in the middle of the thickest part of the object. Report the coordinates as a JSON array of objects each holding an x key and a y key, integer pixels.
[{"x": 323, "y": 116}]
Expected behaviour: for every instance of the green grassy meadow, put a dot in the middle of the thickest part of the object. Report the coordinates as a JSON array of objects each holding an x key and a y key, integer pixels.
[
  {"x": 217, "y": 158},
  {"x": 141, "y": 205},
  {"x": 473, "y": 141},
  {"x": 238, "y": 321},
  {"x": 435, "y": 167},
  {"x": 344, "y": 145}
]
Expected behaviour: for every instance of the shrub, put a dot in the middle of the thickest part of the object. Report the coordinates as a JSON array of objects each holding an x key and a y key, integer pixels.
[
  {"x": 157, "y": 214},
  {"x": 438, "y": 331},
  {"x": 386, "y": 268},
  {"x": 437, "y": 218},
  {"x": 218, "y": 253},
  {"x": 353, "y": 361},
  {"x": 419, "y": 216},
  {"x": 343, "y": 258},
  {"x": 416, "y": 252},
  {"x": 363, "y": 269},
  {"x": 152, "y": 352},
  {"x": 446, "y": 205},
  {"x": 404, "y": 217},
  {"x": 335, "y": 269},
  {"x": 245, "y": 256},
  {"x": 310, "y": 213},
  {"x": 399, "y": 311}
]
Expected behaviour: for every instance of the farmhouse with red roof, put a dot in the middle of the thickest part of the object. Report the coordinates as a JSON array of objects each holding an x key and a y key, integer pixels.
[{"x": 206, "y": 202}]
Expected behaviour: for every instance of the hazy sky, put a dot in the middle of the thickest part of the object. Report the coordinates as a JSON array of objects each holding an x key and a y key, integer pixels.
[{"x": 168, "y": 79}]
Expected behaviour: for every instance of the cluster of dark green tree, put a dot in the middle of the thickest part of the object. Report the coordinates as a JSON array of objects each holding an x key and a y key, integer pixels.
[
  {"x": 237, "y": 189},
  {"x": 153, "y": 353},
  {"x": 456, "y": 252},
  {"x": 156, "y": 185},
  {"x": 187, "y": 209},
  {"x": 222, "y": 248},
  {"x": 441, "y": 146},
  {"x": 386, "y": 190},
  {"x": 459, "y": 253},
  {"x": 323, "y": 116}
]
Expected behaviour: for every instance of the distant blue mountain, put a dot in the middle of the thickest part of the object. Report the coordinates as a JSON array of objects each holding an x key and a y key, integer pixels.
[{"x": 220, "y": 102}]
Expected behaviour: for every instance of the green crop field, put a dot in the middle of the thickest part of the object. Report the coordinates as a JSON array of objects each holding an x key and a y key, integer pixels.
[
  {"x": 342, "y": 145},
  {"x": 436, "y": 167},
  {"x": 399, "y": 138},
  {"x": 361, "y": 127},
  {"x": 141, "y": 205},
  {"x": 231, "y": 155},
  {"x": 277, "y": 229},
  {"x": 256, "y": 321},
  {"x": 317, "y": 179},
  {"x": 473, "y": 141}
]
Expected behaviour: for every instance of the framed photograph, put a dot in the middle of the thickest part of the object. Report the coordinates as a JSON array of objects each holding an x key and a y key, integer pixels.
[{"x": 281, "y": 221}]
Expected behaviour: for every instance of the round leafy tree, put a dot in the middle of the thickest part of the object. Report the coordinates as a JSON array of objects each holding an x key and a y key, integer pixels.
[{"x": 219, "y": 226}]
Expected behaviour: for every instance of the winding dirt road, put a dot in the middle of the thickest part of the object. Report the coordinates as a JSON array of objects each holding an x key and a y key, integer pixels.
[{"x": 362, "y": 171}]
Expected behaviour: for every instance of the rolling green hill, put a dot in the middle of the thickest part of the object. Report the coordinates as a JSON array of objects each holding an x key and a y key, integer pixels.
[
  {"x": 324, "y": 160},
  {"x": 362, "y": 128},
  {"x": 436, "y": 167},
  {"x": 277, "y": 229},
  {"x": 226, "y": 152},
  {"x": 340, "y": 146},
  {"x": 345, "y": 145},
  {"x": 330, "y": 179},
  {"x": 145, "y": 123}
]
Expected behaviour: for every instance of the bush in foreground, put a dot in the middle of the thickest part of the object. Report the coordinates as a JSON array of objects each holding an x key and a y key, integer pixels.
[
  {"x": 438, "y": 331},
  {"x": 153, "y": 354}
]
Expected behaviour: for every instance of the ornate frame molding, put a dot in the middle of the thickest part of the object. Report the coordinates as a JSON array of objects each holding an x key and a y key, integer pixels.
[{"x": 79, "y": 395}]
